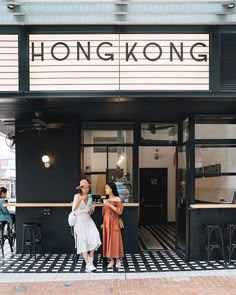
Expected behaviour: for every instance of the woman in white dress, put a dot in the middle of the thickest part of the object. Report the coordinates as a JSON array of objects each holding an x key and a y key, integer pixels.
[{"x": 86, "y": 233}]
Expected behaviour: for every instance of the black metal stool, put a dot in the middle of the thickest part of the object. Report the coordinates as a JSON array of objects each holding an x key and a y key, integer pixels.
[
  {"x": 6, "y": 234},
  {"x": 214, "y": 240},
  {"x": 32, "y": 237},
  {"x": 231, "y": 228}
]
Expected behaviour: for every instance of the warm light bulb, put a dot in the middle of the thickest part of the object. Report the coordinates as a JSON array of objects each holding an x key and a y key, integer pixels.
[{"x": 45, "y": 159}]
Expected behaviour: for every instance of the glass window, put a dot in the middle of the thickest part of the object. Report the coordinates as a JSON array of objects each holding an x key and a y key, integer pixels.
[
  {"x": 108, "y": 158},
  {"x": 181, "y": 173},
  {"x": 185, "y": 130},
  {"x": 215, "y": 160},
  {"x": 94, "y": 169},
  {"x": 159, "y": 131},
  {"x": 107, "y": 137},
  {"x": 107, "y": 133},
  {"x": 181, "y": 197},
  {"x": 220, "y": 189},
  {"x": 109, "y": 166},
  {"x": 215, "y": 131},
  {"x": 120, "y": 167}
]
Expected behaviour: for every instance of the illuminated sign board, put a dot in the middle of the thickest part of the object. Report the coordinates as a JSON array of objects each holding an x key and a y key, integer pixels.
[
  {"x": 172, "y": 62},
  {"x": 119, "y": 62}
]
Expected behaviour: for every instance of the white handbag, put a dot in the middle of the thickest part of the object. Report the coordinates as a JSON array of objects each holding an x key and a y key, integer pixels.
[{"x": 71, "y": 218}]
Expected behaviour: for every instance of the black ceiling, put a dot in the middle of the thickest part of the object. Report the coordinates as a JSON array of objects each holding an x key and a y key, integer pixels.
[{"x": 144, "y": 108}]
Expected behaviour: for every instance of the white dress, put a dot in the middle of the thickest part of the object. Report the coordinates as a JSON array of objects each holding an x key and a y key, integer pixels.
[{"x": 86, "y": 233}]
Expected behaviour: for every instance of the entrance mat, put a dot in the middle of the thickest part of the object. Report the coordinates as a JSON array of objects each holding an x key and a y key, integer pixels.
[
  {"x": 156, "y": 237},
  {"x": 147, "y": 241}
]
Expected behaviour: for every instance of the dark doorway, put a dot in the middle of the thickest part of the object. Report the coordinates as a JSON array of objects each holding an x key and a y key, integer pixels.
[{"x": 153, "y": 195}]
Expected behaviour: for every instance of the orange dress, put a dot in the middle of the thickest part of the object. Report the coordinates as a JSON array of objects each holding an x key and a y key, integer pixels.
[{"x": 112, "y": 239}]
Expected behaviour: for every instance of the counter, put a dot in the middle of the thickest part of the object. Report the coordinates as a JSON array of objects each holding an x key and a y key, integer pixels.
[
  {"x": 57, "y": 236},
  {"x": 207, "y": 213},
  {"x": 211, "y": 206},
  {"x": 59, "y": 204}
]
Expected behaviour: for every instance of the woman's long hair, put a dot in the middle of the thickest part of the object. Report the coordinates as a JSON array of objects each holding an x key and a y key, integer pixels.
[{"x": 113, "y": 187}]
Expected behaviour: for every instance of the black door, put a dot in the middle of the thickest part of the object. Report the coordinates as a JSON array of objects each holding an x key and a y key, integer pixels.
[{"x": 153, "y": 195}]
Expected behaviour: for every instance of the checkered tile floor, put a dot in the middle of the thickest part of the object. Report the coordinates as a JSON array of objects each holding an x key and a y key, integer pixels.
[{"x": 144, "y": 261}]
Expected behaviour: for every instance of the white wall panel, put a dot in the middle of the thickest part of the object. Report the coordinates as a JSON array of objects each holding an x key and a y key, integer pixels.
[{"x": 9, "y": 63}]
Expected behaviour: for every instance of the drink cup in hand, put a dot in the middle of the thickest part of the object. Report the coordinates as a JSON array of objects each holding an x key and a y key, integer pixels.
[{"x": 89, "y": 195}]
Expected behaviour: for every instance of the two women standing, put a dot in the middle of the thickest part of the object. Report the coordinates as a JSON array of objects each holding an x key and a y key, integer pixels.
[{"x": 86, "y": 234}]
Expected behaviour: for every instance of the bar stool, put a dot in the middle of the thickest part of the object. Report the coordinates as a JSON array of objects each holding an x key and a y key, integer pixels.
[
  {"x": 5, "y": 234},
  {"x": 32, "y": 237},
  {"x": 214, "y": 240},
  {"x": 231, "y": 228}
]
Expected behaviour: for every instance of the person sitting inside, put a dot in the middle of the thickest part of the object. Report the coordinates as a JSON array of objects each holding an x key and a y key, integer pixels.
[{"x": 4, "y": 213}]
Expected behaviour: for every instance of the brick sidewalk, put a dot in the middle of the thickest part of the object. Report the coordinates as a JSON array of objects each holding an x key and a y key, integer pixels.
[{"x": 210, "y": 285}]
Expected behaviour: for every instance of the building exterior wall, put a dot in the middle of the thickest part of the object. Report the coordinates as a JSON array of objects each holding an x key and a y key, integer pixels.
[{"x": 21, "y": 81}]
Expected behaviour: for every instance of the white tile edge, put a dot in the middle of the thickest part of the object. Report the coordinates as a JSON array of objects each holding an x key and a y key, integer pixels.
[{"x": 67, "y": 277}]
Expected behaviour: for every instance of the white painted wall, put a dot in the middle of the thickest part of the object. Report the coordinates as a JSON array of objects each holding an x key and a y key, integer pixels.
[{"x": 166, "y": 160}]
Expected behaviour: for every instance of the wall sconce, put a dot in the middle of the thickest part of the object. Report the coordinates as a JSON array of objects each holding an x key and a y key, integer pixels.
[
  {"x": 229, "y": 5},
  {"x": 46, "y": 161}
]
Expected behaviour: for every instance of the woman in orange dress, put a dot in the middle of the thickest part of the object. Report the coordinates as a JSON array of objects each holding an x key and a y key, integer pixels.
[{"x": 112, "y": 239}]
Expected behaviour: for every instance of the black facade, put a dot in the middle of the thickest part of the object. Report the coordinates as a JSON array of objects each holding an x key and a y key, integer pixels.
[{"x": 74, "y": 107}]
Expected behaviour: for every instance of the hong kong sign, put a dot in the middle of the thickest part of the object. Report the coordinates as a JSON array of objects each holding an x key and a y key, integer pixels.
[
  {"x": 64, "y": 62},
  {"x": 131, "y": 51}
]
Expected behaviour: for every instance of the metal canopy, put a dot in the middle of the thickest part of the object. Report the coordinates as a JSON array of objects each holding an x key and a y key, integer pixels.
[{"x": 117, "y": 12}]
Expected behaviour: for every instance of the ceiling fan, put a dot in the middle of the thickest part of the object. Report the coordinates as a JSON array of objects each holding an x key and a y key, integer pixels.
[
  {"x": 10, "y": 139},
  {"x": 154, "y": 127},
  {"x": 36, "y": 124},
  {"x": 40, "y": 125}
]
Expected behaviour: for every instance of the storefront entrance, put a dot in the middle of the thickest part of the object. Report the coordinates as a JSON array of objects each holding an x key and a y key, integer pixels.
[
  {"x": 163, "y": 176},
  {"x": 157, "y": 192}
]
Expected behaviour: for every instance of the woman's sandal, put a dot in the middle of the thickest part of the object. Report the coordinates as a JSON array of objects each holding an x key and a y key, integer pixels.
[
  {"x": 111, "y": 264},
  {"x": 118, "y": 265}
]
